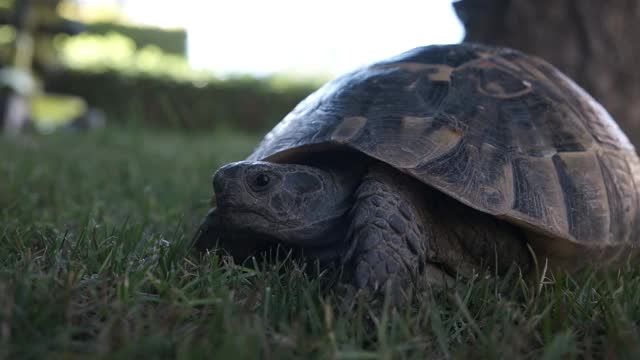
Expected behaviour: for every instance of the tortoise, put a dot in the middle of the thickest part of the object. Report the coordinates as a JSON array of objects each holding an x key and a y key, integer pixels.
[{"x": 436, "y": 162}]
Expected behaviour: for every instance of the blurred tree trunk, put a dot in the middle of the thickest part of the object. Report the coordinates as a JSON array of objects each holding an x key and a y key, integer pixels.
[{"x": 595, "y": 42}]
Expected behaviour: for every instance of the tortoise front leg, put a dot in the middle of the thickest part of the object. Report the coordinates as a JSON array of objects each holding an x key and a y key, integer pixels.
[{"x": 387, "y": 232}]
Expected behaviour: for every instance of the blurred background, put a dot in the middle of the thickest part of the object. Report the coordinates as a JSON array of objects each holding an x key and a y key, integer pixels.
[
  {"x": 193, "y": 64},
  {"x": 243, "y": 64}
]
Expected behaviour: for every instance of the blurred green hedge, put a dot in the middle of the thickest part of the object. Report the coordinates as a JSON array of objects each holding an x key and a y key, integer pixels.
[
  {"x": 247, "y": 104},
  {"x": 149, "y": 86},
  {"x": 173, "y": 41}
]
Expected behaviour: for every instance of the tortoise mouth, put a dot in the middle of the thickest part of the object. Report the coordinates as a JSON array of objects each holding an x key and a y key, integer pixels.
[
  {"x": 244, "y": 244},
  {"x": 232, "y": 212},
  {"x": 248, "y": 248},
  {"x": 253, "y": 233}
]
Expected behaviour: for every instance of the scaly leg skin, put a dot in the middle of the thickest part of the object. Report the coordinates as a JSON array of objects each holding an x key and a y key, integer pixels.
[
  {"x": 387, "y": 233},
  {"x": 401, "y": 229}
]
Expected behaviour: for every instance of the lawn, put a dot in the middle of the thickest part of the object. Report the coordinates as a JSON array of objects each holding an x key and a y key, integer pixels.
[{"x": 95, "y": 261}]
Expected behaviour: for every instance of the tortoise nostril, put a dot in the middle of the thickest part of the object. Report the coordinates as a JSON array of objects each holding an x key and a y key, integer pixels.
[
  {"x": 223, "y": 176},
  {"x": 227, "y": 177}
]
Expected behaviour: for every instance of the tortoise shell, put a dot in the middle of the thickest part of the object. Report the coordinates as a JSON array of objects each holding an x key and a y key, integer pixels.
[{"x": 502, "y": 132}]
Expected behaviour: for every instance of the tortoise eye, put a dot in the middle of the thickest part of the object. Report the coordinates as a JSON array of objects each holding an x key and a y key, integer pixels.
[{"x": 261, "y": 182}]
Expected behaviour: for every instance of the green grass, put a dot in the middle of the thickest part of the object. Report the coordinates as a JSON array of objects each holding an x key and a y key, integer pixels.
[{"x": 94, "y": 260}]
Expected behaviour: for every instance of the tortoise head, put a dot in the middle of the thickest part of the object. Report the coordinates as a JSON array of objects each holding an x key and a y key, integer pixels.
[{"x": 296, "y": 204}]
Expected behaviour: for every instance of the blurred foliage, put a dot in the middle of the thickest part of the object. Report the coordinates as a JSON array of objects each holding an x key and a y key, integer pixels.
[
  {"x": 116, "y": 52},
  {"x": 7, "y": 37},
  {"x": 149, "y": 86},
  {"x": 105, "y": 16},
  {"x": 93, "y": 11},
  {"x": 139, "y": 82},
  {"x": 173, "y": 41},
  {"x": 246, "y": 104},
  {"x": 6, "y": 4}
]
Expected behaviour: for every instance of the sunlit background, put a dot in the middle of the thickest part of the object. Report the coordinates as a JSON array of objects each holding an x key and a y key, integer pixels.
[
  {"x": 297, "y": 37},
  {"x": 240, "y": 64}
]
